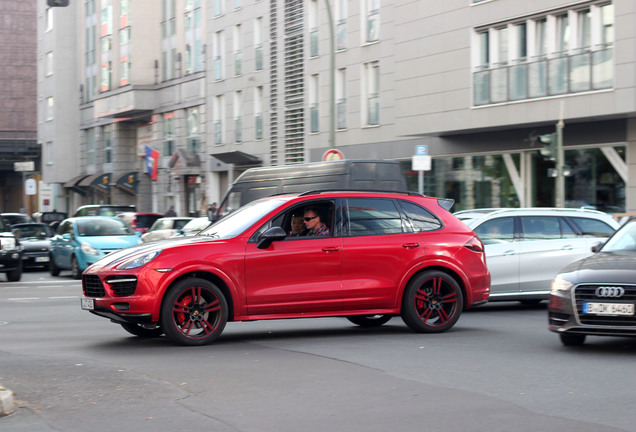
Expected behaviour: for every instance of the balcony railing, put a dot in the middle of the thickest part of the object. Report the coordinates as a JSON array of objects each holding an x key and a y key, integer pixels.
[{"x": 544, "y": 76}]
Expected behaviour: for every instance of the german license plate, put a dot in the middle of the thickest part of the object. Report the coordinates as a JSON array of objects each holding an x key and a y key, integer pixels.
[
  {"x": 88, "y": 303},
  {"x": 42, "y": 259},
  {"x": 608, "y": 308}
]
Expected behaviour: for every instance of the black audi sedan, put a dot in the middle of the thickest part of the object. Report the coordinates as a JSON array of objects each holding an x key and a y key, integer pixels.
[{"x": 596, "y": 295}]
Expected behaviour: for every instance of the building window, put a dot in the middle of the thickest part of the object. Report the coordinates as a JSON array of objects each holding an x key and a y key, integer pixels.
[
  {"x": 218, "y": 47},
  {"x": 238, "y": 116},
  {"x": 555, "y": 54},
  {"x": 90, "y": 55},
  {"x": 194, "y": 45},
  {"x": 341, "y": 24},
  {"x": 238, "y": 50},
  {"x": 107, "y": 144},
  {"x": 168, "y": 42},
  {"x": 341, "y": 99},
  {"x": 313, "y": 28},
  {"x": 258, "y": 43},
  {"x": 169, "y": 144},
  {"x": 218, "y": 113},
  {"x": 372, "y": 93},
  {"x": 49, "y": 20},
  {"x": 218, "y": 7},
  {"x": 49, "y": 63},
  {"x": 106, "y": 32},
  {"x": 258, "y": 112},
  {"x": 194, "y": 137},
  {"x": 91, "y": 148},
  {"x": 49, "y": 153},
  {"x": 314, "y": 113},
  {"x": 50, "y": 107},
  {"x": 372, "y": 21}
]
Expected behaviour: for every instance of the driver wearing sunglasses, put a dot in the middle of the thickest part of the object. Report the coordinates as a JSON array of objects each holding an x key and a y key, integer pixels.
[{"x": 314, "y": 223}]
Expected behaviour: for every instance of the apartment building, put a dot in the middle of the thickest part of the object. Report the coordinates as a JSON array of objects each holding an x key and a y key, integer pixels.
[{"x": 175, "y": 98}]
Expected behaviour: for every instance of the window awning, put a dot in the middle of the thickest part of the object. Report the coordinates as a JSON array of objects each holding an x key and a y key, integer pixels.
[
  {"x": 73, "y": 184},
  {"x": 237, "y": 158},
  {"x": 185, "y": 162},
  {"x": 100, "y": 181},
  {"x": 126, "y": 181}
]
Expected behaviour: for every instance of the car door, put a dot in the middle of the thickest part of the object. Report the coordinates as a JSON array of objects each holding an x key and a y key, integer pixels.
[
  {"x": 378, "y": 250},
  {"x": 61, "y": 247},
  {"x": 502, "y": 254},
  {"x": 295, "y": 275},
  {"x": 548, "y": 245}
]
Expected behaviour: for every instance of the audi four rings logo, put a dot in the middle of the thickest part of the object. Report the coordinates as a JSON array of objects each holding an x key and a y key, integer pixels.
[{"x": 610, "y": 291}]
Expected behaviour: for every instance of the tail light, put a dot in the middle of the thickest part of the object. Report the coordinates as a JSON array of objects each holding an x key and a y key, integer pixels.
[{"x": 475, "y": 244}]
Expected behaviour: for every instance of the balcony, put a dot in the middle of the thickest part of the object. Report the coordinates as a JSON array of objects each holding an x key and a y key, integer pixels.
[{"x": 545, "y": 76}]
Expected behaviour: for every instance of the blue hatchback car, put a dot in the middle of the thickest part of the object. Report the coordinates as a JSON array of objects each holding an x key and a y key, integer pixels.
[{"x": 81, "y": 241}]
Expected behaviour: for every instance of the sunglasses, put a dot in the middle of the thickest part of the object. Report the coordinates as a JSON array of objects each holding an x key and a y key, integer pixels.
[{"x": 307, "y": 219}]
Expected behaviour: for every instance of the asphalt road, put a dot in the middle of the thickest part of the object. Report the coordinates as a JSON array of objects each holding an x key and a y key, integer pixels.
[{"x": 498, "y": 369}]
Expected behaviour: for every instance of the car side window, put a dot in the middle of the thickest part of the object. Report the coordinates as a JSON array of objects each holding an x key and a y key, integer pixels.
[
  {"x": 65, "y": 228},
  {"x": 497, "y": 231},
  {"x": 421, "y": 219},
  {"x": 373, "y": 216},
  {"x": 592, "y": 227},
  {"x": 541, "y": 227}
]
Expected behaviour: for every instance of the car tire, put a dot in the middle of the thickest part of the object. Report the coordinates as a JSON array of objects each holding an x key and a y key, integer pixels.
[
  {"x": 142, "y": 332},
  {"x": 572, "y": 339},
  {"x": 432, "y": 302},
  {"x": 15, "y": 275},
  {"x": 194, "y": 312},
  {"x": 75, "y": 270},
  {"x": 369, "y": 320},
  {"x": 53, "y": 268}
]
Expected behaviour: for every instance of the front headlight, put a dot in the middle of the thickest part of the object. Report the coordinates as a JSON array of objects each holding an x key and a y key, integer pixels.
[
  {"x": 139, "y": 260},
  {"x": 7, "y": 243},
  {"x": 559, "y": 284},
  {"x": 88, "y": 249}
]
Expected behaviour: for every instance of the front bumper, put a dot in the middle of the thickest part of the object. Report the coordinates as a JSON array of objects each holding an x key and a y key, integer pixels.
[{"x": 10, "y": 260}]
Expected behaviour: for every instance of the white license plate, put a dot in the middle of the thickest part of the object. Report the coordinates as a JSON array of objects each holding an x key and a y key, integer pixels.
[
  {"x": 608, "y": 308},
  {"x": 88, "y": 303},
  {"x": 41, "y": 259}
]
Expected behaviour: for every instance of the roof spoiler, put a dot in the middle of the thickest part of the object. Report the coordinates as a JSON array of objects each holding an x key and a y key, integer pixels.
[{"x": 446, "y": 203}]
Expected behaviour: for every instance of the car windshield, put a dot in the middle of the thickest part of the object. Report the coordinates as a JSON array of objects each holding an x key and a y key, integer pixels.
[
  {"x": 238, "y": 221},
  {"x": 623, "y": 240},
  {"x": 103, "y": 227},
  {"x": 35, "y": 231},
  {"x": 196, "y": 225}
]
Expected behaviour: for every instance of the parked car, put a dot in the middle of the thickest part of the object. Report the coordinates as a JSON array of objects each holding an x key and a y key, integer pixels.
[
  {"x": 164, "y": 228},
  {"x": 103, "y": 210},
  {"x": 596, "y": 295},
  {"x": 10, "y": 253},
  {"x": 525, "y": 248},
  {"x": 15, "y": 218},
  {"x": 81, "y": 241},
  {"x": 140, "y": 222},
  {"x": 53, "y": 219},
  {"x": 193, "y": 227},
  {"x": 35, "y": 239},
  {"x": 386, "y": 254}
]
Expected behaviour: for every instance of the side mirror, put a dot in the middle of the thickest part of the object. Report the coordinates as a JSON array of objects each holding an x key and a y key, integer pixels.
[
  {"x": 271, "y": 235},
  {"x": 597, "y": 246}
]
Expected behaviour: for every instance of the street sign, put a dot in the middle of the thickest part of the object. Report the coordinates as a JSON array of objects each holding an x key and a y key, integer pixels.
[
  {"x": 30, "y": 187},
  {"x": 421, "y": 163},
  {"x": 421, "y": 150},
  {"x": 333, "y": 154},
  {"x": 24, "y": 166}
]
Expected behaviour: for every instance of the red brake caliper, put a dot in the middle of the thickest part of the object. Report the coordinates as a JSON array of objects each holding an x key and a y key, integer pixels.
[{"x": 185, "y": 304}]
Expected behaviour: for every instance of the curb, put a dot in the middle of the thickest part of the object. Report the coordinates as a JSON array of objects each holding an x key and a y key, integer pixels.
[{"x": 7, "y": 406}]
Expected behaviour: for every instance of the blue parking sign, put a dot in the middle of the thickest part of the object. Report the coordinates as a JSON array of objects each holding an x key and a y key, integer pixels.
[{"x": 421, "y": 150}]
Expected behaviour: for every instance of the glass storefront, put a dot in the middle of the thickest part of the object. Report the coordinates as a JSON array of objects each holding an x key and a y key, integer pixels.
[{"x": 484, "y": 181}]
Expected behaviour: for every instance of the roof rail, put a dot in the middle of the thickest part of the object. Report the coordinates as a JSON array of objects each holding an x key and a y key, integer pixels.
[{"x": 319, "y": 191}]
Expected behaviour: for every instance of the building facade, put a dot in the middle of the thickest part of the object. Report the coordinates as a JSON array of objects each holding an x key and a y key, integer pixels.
[{"x": 168, "y": 101}]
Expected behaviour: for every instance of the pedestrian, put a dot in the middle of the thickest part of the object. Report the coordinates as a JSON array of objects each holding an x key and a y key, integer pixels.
[
  {"x": 170, "y": 212},
  {"x": 211, "y": 212}
]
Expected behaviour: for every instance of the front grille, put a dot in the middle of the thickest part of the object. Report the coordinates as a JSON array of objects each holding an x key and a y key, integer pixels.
[
  {"x": 92, "y": 286},
  {"x": 587, "y": 293},
  {"x": 122, "y": 285}
]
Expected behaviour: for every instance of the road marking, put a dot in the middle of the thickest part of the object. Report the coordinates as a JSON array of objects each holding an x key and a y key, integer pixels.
[{"x": 42, "y": 298}]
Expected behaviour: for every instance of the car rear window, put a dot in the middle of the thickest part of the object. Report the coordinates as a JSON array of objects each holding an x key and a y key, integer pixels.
[
  {"x": 592, "y": 227},
  {"x": 145, "y": 221}
]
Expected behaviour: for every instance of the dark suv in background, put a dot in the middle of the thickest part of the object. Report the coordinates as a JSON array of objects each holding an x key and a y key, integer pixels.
[{"x": 10, "y": 254}]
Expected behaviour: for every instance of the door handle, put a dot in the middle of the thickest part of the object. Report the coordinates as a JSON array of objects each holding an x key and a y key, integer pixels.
[
  {"x": 509, "y": 253},
  {"x": 330, "y": 249},
  {"x": 410, "y": 245},
  {"x": 567, "y": 247}
]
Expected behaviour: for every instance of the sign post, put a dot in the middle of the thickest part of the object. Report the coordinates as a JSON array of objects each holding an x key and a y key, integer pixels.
[
  {"x": 24, "y": 167},
  {"x": 421, "y": 162}
]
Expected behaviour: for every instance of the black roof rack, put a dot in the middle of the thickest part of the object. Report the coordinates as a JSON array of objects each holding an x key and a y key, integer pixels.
[{"x": 319, "y": 191}]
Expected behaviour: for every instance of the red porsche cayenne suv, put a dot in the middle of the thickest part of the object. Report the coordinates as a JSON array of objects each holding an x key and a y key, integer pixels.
[{"x": 366, "y": 256}]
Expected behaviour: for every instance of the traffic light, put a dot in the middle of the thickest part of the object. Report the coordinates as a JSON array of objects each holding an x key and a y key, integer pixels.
[
  {"x": 548, "y": 145},
  {"x": 57, "y": 3}
]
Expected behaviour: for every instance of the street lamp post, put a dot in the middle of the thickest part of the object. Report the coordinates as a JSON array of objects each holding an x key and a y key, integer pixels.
[{"x": 332, "y": 72}]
